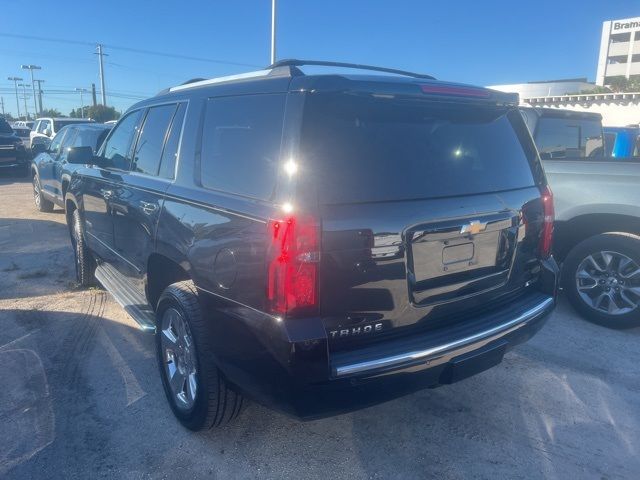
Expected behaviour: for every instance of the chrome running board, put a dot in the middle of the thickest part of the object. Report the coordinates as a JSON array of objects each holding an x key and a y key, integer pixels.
[{"x": 127, "y": 296}]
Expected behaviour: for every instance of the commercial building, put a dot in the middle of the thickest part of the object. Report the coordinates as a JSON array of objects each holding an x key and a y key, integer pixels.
[
  {"x": 619, "y": 50},
  {"x": 550, "y": 88}
]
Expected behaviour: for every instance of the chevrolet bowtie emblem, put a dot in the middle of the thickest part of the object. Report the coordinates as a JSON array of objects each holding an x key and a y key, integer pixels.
[{"x": 473, "y": 227}]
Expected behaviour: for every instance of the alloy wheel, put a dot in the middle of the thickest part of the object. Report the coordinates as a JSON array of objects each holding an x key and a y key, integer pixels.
[
  {"x": 609, "y": 282},
  {"x": 36, "y": 190},
  {"x": 179, "y": 358}
]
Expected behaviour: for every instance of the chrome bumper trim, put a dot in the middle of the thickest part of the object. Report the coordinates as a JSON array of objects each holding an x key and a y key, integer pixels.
[{"x": 412, "y": 357}]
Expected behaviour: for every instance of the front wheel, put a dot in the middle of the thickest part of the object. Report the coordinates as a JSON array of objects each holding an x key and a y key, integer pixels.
[
  {"x": 85, "y": 263},
  {"x": 601, "y": 277},
  {"x": 42, "y": 204},
  {"x": 196, "y": 390}
]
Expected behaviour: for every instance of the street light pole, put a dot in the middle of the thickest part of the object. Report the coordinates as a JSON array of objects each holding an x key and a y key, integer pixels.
[
  {"x": 40, "y": 82},
  {"x": 24, "y": 97},
  {"x": 101, "y": 54},
  {"x": 273, "y": 32},
  {"x": 81, "y": 90},
  {"x": 31, "y": 68},
  {"x": 15, "y": 81}
]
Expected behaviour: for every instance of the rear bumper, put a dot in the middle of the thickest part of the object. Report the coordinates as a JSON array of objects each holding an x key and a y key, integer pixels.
[
  {"x": 289, "y": 366},
  {"x": 10, "y": 158}
]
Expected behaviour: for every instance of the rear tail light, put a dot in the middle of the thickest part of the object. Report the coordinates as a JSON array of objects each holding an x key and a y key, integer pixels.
[
  {"x": 292, "y": 269},
  {"x": 546, "y": 237}
]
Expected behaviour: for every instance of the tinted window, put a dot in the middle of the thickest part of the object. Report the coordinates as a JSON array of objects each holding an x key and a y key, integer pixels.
[
  {"x": 90, "y": 137},
  {"x": 117, "y": 148},
  {"x": 151, "y": 140},
  {"x": 56, "y": 143},
  {"x": 241, "y": 144},
  {"x": 170, "y": 153},
  {"x": 609, "y": 142},
  {"x": 4, "y": 126},
  {"x": 569, "y": 137},
  {"x": 362, "y": 149},
  {"x": 58, "y": 124}
]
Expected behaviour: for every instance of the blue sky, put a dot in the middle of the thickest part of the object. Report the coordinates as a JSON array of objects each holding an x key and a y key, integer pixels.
[{"x": 480, "y": 42}]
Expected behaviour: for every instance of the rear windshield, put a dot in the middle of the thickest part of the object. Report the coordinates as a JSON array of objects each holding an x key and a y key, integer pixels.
[
  {"x": 569, "y": 138},
  {"x": 362, "y": 149},
  {"x": 58, "y": 124}
]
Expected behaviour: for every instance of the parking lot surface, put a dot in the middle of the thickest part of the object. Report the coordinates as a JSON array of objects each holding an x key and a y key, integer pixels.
[{"x": 81, "y": 396}]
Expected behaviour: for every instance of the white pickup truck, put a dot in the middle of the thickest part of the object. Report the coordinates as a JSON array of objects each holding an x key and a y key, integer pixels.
[{"x": 597, "y": 208}]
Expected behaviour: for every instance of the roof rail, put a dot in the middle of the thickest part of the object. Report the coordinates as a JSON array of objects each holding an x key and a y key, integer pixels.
[{"x": 297, "y": 63}]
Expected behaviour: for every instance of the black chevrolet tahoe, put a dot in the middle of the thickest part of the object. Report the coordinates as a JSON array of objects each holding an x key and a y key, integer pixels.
[{"x": 317, "y": 242}]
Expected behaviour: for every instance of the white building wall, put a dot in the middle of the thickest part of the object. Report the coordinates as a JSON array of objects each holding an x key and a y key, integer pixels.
[
  {"x": 604, "y": 53},
  {"x": 625, "y": 68},
  {"x": 617, "y": 110}
]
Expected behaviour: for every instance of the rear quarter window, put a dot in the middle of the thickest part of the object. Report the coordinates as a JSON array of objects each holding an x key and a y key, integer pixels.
[
  {"x": 241, "y": 144},
  {"x": 566, "y": 138},
  {"x": 361, "y": 149}
]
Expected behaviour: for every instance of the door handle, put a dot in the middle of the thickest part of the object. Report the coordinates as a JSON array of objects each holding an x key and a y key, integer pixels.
[
  {"x": 148, "y": 207},
  {"x": 106, "y": 194}
]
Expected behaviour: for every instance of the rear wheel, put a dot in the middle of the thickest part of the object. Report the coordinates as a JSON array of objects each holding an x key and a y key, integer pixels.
[
  {"x": 196, "y": 390},
  {"x": 85, "y": 263},
  {"x": 42, "y": 204},
  {"x": 601, "y": 277}
]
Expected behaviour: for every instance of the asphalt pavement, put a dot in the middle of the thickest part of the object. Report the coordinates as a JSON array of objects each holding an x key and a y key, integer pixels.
[{"x": 81, "y": 396}]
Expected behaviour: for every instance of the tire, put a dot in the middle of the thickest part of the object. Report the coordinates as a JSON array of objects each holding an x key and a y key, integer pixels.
[
  {"x": 42, "y": 204},
  {"x": 601, "y": 277},
  {"x": 85, "y": 263},
  {"x": 183, "y": 347}
]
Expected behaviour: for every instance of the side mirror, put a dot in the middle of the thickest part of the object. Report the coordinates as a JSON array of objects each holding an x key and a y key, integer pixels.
[
  {"x": 38, "y": 148},
  {"x": 80, "y": 155}
]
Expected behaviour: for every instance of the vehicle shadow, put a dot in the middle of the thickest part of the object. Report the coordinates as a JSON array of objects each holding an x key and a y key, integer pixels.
[
  {"x": 35, "y": 258},
  {"x": 545, "y": 412}
]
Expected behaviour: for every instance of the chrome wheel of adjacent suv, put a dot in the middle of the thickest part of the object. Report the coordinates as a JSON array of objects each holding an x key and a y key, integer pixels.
[
  {"x": 179, "y": 357},
  {"x": 42, "y": 204},
  {"x": 36, "y": 191},
  {"x": 609, "y": 282},
  {"x": 601, "y": 278}
]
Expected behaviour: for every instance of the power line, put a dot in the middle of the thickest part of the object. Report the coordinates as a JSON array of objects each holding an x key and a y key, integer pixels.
[{"x": 129, "y": 49}]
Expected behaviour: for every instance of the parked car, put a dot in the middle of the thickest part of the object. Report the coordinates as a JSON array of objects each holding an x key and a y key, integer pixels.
[
  {"x": 622, "y": 142},
  {"x": 51, "y": 170},
  {"x": 239, "y": 218},
  {"x": 24, "y": 133},
  {"x": 12, "y": 152},
  {"x": 597, "y": 229},
  {"x": 46, "y": 128}
]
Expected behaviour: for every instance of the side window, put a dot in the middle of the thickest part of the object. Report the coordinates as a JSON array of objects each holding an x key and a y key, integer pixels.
[
  {"x": 117, "y": 148},
  {"x": 568, "y": 138},
  {"x": 44, "y": 124},
  {"x": 69, "y": 138},
  {"x": 241, "y": 144},
  {"x": 170, "y": 152},
  {"x": 36, "y": 126},
  {"x": 148, "y": 151},
  {"x": 56, "y": 143}
]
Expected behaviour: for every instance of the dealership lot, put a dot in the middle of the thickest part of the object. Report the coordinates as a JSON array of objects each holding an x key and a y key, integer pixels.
[{"x": 82, "y": 397}]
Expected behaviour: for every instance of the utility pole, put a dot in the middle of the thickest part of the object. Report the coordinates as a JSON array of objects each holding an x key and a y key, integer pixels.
[
  {"x": 101, "y": 54},
  {"x": 93, "y": 94},
  {"x": 15, "y": 81},
  {"x": 24, "y": 97},
  {"x": 273, "y": 32},
  {"x": 31, "y": 68},
  {"x": 81, "y": 90},
  {"x": 40, "y": 82}
]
